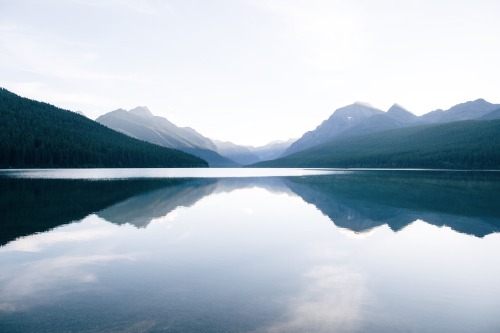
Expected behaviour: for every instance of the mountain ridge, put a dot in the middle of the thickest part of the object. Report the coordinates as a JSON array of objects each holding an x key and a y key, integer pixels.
[
  {"x": 339, "y": 124},
  {"x": 349, "y": 122},
  {"x": 468, "y": 144},
  {"x": 142, "y": 124},
  {"x": 463, "y": 111},
  {"x": 340, "y": 121},
  {"x": 39, "y": 135}
]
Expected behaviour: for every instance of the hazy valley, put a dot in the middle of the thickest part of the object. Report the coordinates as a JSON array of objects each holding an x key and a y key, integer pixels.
[{"x": 465, "y": 136}]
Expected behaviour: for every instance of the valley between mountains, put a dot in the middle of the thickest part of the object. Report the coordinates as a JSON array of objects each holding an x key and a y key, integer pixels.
[{"x": 39, "y": 135}]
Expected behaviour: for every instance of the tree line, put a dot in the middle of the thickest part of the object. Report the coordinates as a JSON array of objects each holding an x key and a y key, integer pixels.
[
  {"x": 458, "y": 145},
  {"x": 39, "y": 135}
]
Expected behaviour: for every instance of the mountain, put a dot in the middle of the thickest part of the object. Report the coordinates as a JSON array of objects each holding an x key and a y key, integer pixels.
[
  {"x": 339, "y": 122},
  {"x": 39, "y": 135},
  {"x": 271, "y": 150},
  {"x": 240, "y": 154},
  {"x": 470, "y": 144},
  {"x": 464, "y": 111},
  {"x": 361, "y": 119},
  {"x": 491, "y": 115},
  {"x": 141, "y": 124},
  {"x": 395, "y": 117},
  {"x": 400, "y": 114},
  {"x": 249, "y": 154}
]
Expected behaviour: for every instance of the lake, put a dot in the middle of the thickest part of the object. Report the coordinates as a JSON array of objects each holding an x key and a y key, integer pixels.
[{"x": 249, "y": 250}]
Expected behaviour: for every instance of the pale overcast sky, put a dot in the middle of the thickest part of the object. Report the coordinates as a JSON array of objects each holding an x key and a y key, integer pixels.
[{"x": 250, "y": 71}]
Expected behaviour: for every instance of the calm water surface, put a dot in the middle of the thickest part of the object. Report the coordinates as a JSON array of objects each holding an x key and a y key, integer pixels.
[{"x": 249, "y": 250}]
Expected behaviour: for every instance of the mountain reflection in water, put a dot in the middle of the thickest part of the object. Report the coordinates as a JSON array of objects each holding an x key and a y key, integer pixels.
[
  {"x": 359, "y": 201},
  {"x": 345, "y": 252}
]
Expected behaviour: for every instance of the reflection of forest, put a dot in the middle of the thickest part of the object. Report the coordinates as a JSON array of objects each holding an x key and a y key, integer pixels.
[
  {"x": 360, "y": 201},
  {"x": 35, "y": 205},
  {"x": 465, "y": 201}
]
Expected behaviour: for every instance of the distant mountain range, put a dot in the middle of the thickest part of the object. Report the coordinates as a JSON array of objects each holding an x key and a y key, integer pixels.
[
  {"x": 467, "y": 136},
  {"x": 249, "y": 154},
  {"x": 38, "y": 135},
  {"x": 468, "y": 144},
  {"x": 240, "y": 154},
  {"x": 466, "y": 111},
  {"x": 272, "y": 150},
  {"x": 360, "y": 119},
  {"x": 340, "y": 121},
  {"x": 141, "y": 124}
]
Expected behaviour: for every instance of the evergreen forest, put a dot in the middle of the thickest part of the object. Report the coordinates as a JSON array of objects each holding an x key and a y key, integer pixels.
[
  {"x": 470, "y": 144},
  {"x": 39, "y": 135}
]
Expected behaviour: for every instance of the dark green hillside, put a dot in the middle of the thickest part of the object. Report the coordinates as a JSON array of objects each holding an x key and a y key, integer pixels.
[
  {"x": 38, "y": 135},
  {"x": 457, "y": 145}
]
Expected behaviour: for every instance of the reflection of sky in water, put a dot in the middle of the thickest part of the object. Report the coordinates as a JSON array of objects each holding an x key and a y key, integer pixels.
[
  {"x": 253, "y": 260},
  {"x": 163, "y": 173}
]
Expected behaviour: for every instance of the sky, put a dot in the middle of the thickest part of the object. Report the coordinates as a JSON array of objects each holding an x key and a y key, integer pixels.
[{"x": 250, "y": 71}]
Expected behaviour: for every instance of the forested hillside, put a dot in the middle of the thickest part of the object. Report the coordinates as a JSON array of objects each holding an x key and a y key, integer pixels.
[
  {"x": 468, "y": 144},
  {"x": 38, "y": 135}
]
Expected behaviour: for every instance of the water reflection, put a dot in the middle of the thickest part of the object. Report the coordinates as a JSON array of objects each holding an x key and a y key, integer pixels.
[
  {"x": 35, "y": 205},
  {"x": 253, "y": 255},
  {"x": 464, "y": 201},
  {"x": 331, "y": 302},
  {"x": 359, "y": 201}
]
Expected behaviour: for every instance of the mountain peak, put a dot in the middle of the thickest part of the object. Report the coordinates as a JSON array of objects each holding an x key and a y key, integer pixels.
[
  {"x": 340, "y": 121},
  {"x": 357, "y": 109},
  {"x": 363, "y": 104},
  {"x": 141, "y": 111},
  {"x": 469, "y": 110},
  {"x": 399, "y": 113},
  {"x": 478, "y": 103},
  {"x": 396, "y": 107}
]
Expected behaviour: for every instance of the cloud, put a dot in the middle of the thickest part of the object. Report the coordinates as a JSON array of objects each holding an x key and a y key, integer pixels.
[
  {"x": 49, "y": 56},
  {"x": 147, "y": 7},
  {"x": 330, "y": 32},
  {"x": 59, "y": 70},
  {"x": 42, "y": 276},
  {"x": 35, "y": 243},
  {"x": 331, "y": 302}
]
